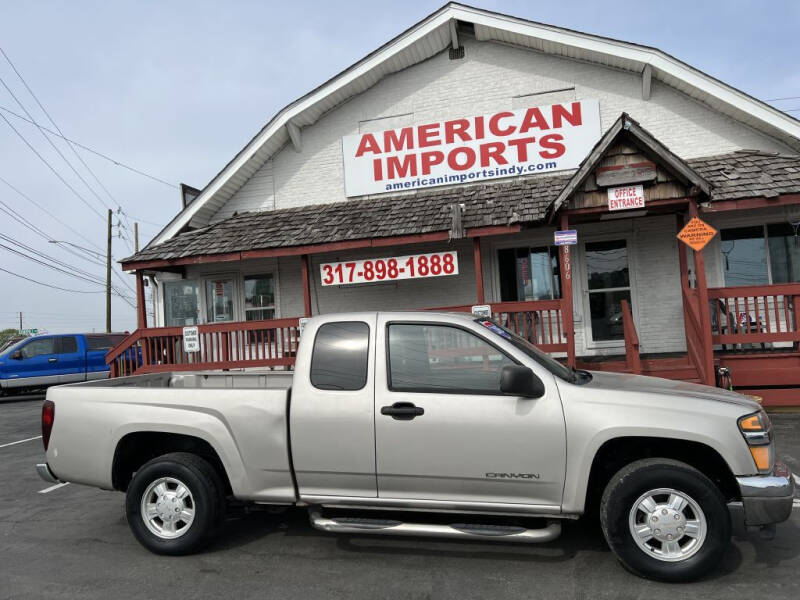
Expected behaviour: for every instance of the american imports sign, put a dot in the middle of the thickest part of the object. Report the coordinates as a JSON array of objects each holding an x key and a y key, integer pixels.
[{"x": 541, "y": 139}]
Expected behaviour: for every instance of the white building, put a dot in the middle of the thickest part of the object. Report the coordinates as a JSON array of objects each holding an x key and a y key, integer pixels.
[{"x": 410, "y": 152}]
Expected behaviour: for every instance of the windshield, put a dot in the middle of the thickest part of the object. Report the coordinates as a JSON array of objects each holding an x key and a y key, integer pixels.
[{"x": 548, "y": 362}]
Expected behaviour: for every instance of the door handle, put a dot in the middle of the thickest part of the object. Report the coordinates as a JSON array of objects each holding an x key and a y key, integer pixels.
[
  {"x": 52, "y": 359},
  {"x": 402, "y": 411}
]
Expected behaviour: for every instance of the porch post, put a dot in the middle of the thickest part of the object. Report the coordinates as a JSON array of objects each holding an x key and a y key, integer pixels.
[
  {"x": 684, "y": 280},
  {"x": 476, "y": 252},
  {"x": 141, "y": 308},
  {"x": 705, "y": 313},
  {"x": 565, "y": 271},
  {"x": 306, "y": 286}
]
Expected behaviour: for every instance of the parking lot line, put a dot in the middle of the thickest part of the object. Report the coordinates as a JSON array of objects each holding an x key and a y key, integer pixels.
[
  {"x": 38, "y": 437},
  {"x": 53, "y": 487}
]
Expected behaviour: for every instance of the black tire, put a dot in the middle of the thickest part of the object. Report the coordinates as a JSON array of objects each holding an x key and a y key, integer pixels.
[
  {"x": 207, "y": 495},
  {"x": 636, "y": 479}
]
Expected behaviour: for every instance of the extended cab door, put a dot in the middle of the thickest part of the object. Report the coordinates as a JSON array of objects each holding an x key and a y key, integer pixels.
[
  {"x": 444, "y": 432},
  {"x": 332, "y": 425},
  {"x": 70, "y": 358}
]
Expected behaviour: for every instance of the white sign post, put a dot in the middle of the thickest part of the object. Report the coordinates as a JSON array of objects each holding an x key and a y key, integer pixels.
[
  {"x": 191, "y": 339},
  {"x": 539, "y": 139}
]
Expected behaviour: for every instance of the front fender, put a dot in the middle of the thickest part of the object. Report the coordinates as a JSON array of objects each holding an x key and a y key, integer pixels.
[{"x": 592, "y": 422}]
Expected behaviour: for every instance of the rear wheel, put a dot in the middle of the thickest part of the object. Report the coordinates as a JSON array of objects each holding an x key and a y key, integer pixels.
[
  {"x": 174, "y": 503},
  {"x": 665, "y": 520}
]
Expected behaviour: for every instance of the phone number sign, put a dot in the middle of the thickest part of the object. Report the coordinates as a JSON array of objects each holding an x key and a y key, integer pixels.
[{"x": 434, "y": 264}]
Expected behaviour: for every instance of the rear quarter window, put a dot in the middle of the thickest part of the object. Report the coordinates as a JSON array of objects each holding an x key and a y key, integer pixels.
[
  {"x": 103, "y": 342},
  {"x": 340, "y": 356}
]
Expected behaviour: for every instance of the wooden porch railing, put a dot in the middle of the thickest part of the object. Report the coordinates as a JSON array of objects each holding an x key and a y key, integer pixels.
[
  {"x": 633, "y": 359},
  {"x": 274, "y": 343},
  {"x": 755, "y": 314},
  {"x": 538, "y": 321},
  {"x": 222, "y": 346}
]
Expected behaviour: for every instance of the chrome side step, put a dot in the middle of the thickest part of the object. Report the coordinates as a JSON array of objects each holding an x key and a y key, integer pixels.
[{"x": 463, "y": 531}]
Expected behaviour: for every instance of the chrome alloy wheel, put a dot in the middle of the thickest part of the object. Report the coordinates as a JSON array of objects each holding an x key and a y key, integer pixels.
[
  {"x": 167, "y": 508},
  {"x": 667, "y": 524}
]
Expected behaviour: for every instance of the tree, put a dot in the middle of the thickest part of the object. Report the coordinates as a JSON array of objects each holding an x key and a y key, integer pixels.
[{"x": 7, "y": 334}]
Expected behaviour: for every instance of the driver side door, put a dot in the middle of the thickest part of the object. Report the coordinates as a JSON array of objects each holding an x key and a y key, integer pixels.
[
  {"x": 463, "y": 442},
  {"x": 36, "y": 366}
]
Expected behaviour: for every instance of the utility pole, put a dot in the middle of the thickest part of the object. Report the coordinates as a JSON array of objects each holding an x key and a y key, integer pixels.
[
  {"x": 108, "y": 277},
  {"x": 20, "y": 321},
  {"x": 136, "y": 237}
]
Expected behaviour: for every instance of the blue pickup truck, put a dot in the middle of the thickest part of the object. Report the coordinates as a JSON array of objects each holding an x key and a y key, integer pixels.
[{"x": 45, "y": 360}]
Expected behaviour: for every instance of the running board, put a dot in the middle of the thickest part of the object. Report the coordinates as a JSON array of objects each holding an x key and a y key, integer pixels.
[{"x": 462, "y": 531}]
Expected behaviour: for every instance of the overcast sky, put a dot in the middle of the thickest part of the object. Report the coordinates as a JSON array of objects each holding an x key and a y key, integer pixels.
[{"x": 175, "y": 89}]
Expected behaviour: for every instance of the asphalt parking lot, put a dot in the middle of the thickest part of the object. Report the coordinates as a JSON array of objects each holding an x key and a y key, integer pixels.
[{"x": 71, "y": 541}]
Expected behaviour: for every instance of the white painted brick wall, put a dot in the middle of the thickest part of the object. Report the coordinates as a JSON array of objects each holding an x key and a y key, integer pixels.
[{"x": 492, "y": 77}]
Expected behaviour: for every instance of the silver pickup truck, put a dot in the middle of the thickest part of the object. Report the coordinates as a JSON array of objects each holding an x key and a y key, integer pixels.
[{"x": 428, "y": 424}]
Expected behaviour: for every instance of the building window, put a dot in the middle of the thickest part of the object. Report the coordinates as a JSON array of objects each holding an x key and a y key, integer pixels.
[
  {"x": 760, "y": 255},
  {"x": 181, "y": 303},
  {"x": 219, "y": 300},
  {"x": 529, "y": 274},
  {"x": 259, "y": 297}
]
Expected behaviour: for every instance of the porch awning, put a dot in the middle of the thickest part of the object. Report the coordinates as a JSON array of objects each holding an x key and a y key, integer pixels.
[
  {"x": 415, "y": 213},
  {"x": 523, "y": 201}
]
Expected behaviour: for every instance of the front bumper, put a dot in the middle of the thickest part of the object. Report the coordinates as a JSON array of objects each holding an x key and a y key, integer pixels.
[{"x": 767, "y": 499}]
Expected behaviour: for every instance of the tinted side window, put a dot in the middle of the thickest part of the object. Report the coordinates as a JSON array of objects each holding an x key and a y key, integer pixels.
[
  {"x": 339, "y": 359},
  {"x": 438, "y": 358},
  {"x": 38, "y": 348},
  {"x": 103, "y": 342},
  {"x": 66, "y": 345}
]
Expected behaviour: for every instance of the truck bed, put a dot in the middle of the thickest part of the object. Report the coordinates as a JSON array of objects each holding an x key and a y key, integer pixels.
[
  {"x": 275, "y": 380},
  {"x": 242, "y": 416}
]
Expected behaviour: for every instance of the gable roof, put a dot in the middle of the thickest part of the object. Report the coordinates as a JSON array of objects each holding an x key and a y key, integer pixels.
[
  {"x": 625, "y": 126},
  {"x": 433, "y": 35}
]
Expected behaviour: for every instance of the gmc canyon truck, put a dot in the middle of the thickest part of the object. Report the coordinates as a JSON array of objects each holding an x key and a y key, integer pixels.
[{"x": 426, "y": 424}]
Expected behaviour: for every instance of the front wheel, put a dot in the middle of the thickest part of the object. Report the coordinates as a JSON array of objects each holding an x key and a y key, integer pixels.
[
  {"x": 174, "y": 503},
  {"x": 665, "y": 520}
]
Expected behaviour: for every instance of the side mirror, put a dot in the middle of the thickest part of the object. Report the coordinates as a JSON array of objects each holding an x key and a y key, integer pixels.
[
  {"x": 17, "y": 355},
  {"x": 516, "y": 380}
]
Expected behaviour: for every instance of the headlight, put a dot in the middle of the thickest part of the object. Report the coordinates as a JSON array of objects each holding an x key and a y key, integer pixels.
[{"x": 757, "y": 432}]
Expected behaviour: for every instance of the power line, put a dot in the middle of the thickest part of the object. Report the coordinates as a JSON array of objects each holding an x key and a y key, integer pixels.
[
  {"x": 52, "y": 121},
  {"x": 49, "y": 166},
  {"x": 71, "y": 146},
  {"x": 57, "y": 265},
  {"x": 61, "y": 244},
  {"x": 779, "y": 99},
  {"x": 88, "y": 149},
  {"x": 55, "y": 287},
  {"x": 52, "y": 144},
  {"x": 50, "y": 214}
]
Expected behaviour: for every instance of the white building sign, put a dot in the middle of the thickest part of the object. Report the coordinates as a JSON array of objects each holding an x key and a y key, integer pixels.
[
  {"x": 623, "y": 198},
  {"x": 540, "y": 139},
  {"x": 373, "y": 270},
  {"x": 191, "y": 339}
]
